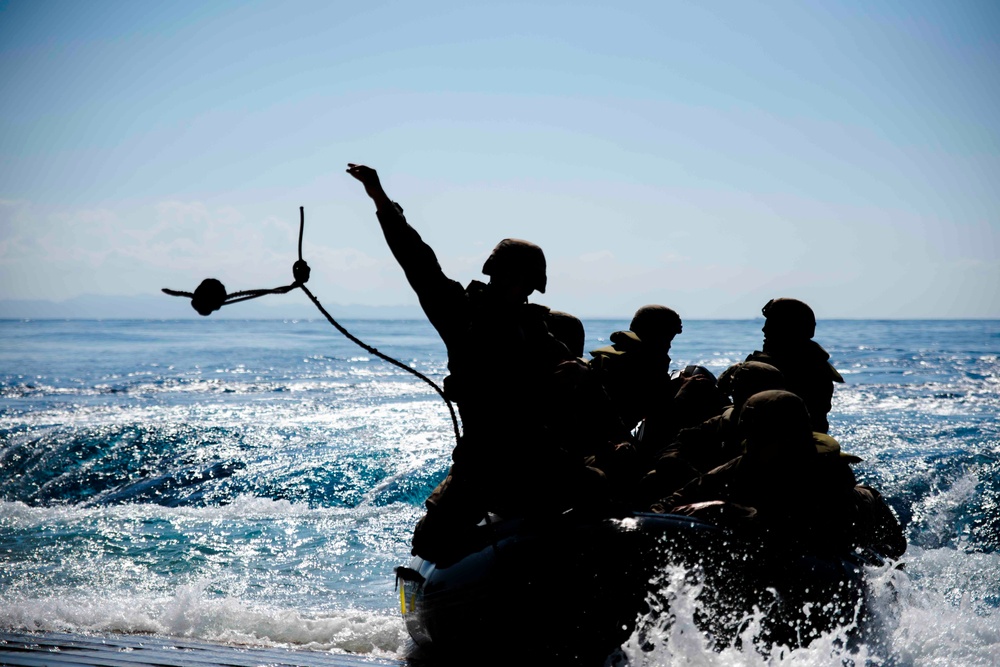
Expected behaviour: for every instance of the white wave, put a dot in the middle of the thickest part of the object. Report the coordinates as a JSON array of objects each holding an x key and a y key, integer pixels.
[
  {"x": 417, "y": 409},
  {"x": 18, "y": 515},
  {"x": 938, "y": 612},
  {"x": 674, "y": 637},
  {"x": 911, "y": 626},
  {"x": 192, "y": 613},
  {"x": 935, "y": 514}
]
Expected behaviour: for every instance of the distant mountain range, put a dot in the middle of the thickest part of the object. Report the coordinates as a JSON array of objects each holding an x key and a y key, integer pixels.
[{"x": 162, "y": 306}]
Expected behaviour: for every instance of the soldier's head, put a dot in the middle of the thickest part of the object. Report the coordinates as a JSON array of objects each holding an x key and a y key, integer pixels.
[
  {"x": 516, "y": 266},
  {"x": 656, "y": 326},
  {"x": 568, "y": 329},
  {"x": 788, "y": 319},
  {"x": 774, "y": 425},
  {"x": 743, "y": 380},
  {"x": 698, "y": 397}
]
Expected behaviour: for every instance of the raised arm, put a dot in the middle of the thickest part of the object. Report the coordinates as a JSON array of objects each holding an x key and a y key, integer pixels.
[
  {"x": 443, "y": 299},
  {"x": 373, "y": 186}
]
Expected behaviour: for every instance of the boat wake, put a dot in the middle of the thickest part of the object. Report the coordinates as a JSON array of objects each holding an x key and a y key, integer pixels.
[{"x": 906, "y": 625}]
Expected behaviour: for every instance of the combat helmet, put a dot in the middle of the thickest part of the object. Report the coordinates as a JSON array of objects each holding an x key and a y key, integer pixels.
[
  {"x": 743, "y": 380},
  {"x": 776, "y": 419},
  {"x": 789, "y": 317},
  {"x": 515, "y": 257},
  {"x": 568, "y": 329},
  {"x": 655, "y": 323}
]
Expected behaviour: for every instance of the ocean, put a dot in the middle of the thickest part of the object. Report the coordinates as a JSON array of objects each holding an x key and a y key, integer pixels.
[{"x": 256, "y": 482}]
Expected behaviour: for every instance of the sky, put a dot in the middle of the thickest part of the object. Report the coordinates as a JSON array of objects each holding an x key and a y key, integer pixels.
[{"x": 707, "y": 156}]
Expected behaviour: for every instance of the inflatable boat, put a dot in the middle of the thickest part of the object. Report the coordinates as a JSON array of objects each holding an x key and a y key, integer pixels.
[{"x": 572, "y": 589}]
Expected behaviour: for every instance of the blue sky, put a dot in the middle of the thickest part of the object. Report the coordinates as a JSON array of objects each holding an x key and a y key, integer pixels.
[{"x": 706, "y": 156}]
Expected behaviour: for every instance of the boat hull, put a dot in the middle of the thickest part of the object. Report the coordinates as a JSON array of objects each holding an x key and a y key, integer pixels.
[{"x": 576, "y": 589}]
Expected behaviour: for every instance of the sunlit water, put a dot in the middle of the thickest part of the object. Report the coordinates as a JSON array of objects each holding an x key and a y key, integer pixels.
[{"x": 257, "y": 482}]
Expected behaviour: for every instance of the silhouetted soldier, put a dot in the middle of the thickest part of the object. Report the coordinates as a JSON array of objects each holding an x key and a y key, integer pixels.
[
  {"x": 501, "y": 358},
  {"x": 784, "y": 497},
  {"x": 634, "y": 371},
  {"x": 697, "y": 399},
  {"x": 789, "y": 326},
  {"x": 783, "y": 488},
  {"x": 568, "y": 329},
  {"x": 635, "y": 368},
  {"x": 700, "y": 448}
]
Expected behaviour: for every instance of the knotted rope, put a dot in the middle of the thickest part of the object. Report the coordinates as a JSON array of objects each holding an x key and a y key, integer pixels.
[{"x": 211, "y": 295}]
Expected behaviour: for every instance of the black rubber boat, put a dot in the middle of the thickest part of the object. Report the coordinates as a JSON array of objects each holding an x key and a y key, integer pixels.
[{"x": 574, "y": 588}]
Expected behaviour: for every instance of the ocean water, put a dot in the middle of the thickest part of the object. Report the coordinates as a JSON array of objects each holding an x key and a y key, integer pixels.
[{"x": 257, "y": 481}]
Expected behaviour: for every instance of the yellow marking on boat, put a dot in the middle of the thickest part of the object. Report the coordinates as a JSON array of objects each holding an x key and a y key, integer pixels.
[{"x": 402, "y": 599}]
